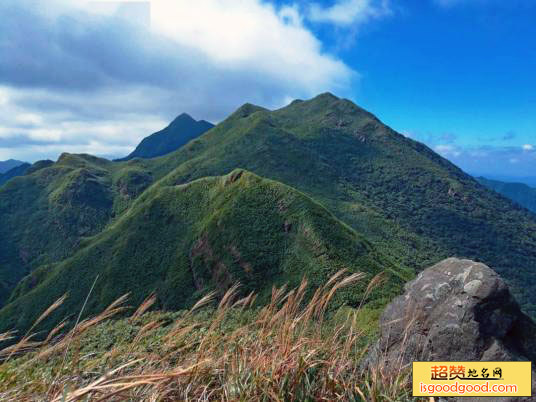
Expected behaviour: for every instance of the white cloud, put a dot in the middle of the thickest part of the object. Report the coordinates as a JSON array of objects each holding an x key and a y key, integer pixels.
[
  {"x": 447, "y": 150},
  {"x": 528, "y": 147},
  {"x": 86, "y": 76},
  {"x": 52, "y": 151},
  {"x": 243, "y": 34},
  {"x": 4, "y": 99},
  {"x": 349, "y": 12},
  {"x": 28, "y": 119},
  {"x": 28, "y": 136},
  {"x": 250, "y": 34}
]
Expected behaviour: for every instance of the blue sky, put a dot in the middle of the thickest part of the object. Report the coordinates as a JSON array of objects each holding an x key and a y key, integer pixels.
[
  {"x": 458, "y": 76},
  {"x": 98, "y": 76}
]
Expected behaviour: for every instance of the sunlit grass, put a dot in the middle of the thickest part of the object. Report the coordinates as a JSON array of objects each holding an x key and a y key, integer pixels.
[{"x": 229, "y": 351}]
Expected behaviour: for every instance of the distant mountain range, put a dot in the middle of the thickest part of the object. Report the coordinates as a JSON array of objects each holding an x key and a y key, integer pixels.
[
  {"x": 18, "y": 170},
  {"x": 8, "y": 165},
  {"x": 181, "y": 130},
  {"x": 519, "y": 192},
  {"x": 528, "y": 180},
  {"x": 265, "y": 197}
]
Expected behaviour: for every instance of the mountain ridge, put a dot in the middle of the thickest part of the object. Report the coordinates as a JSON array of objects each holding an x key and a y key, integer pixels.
[
  {"x": 182, "y": 129},
  {"x": 9, "y": 164},
  {"x": 211, "y": 232},
  {"x": 45, "y": 213},
  {"x": 415, "y": 207},
  {"x": 520, "y": 193},
  {"x": 346, "y": 158}
]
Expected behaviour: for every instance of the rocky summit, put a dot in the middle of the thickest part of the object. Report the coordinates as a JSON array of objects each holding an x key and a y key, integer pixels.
[{"x": 456, "y": 310}]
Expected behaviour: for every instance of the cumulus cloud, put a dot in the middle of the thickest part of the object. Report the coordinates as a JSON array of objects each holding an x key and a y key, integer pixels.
[
  {"x": 447, "y": 150},
  {"x": 349, "y": 12},
  {"x": 70, "y": 122},
  {"x": 99, "y": 76},
  {"x": 528, "y": 147}
]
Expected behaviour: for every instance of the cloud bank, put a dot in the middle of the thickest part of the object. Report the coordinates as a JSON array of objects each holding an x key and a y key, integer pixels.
[
  {"x": 349, "y": 12},
  {"x": 97, "y": 77}
]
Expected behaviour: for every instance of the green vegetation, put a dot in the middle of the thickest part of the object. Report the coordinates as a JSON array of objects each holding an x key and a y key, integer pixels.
[
  {"x": 45, "y": 213},
  {"x": 165, "y": 223},
  {"x": 414, "y": 205},
  {"x": 181, "y": 130},
  {"x": 287, "y": 350},
  {"x": 182, "y": 241},
  {"x": 518, "y": 192}
]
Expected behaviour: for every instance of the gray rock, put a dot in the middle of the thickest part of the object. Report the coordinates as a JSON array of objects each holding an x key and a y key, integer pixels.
[{"x": 456, "y": 310}]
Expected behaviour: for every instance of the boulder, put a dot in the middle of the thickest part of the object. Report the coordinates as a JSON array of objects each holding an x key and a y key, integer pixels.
[{"x": 456, "y": 310}]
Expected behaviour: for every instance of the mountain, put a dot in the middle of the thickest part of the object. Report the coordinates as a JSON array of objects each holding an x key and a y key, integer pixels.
[
  {"x": 416, "y": 206},
  {"x": 518, "y": 192},
  {"x": 185, "y": 240},
  {"x": 181, "y": 130},
  {"x": 18, "y": 170},
  {"x": 45, "y": 213},
  {"x": 8, "y": 165},
  {"x": 412, "y": 206},
  {"x": 530, "y": 181}
]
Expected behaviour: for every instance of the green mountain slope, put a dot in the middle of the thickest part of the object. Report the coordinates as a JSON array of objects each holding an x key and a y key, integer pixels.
[
  {"x": 185, "y": 240},
  {"x": 181, "y": 130},
  {"x": 518, "y": 192},
  {"x": 45, "y": 213},
  {"x": 415, "y": 205}
]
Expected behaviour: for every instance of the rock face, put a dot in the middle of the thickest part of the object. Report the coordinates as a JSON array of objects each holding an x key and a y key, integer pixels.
[{"x": 456, "y": 310}]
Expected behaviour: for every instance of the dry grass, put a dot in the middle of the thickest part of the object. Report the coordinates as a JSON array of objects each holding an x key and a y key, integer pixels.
[{"x": 283, "y": 351}]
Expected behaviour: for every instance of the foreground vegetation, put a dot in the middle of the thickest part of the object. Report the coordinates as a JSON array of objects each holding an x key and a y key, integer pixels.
[{"x": 289, "y": 349}]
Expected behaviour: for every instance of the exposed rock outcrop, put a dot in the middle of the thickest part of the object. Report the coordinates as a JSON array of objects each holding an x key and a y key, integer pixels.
[{"x": 456, "y": 310}]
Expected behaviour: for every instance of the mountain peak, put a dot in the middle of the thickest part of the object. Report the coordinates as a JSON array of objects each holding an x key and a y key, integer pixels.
[
  {"x": 183, "y": 118},
  {"x": 181, "y": 130},
  {"x": 5, "y": 166},
  {"x": 325, "y": 96},
  {"x": 247, "y": 109},
  {"x": 322, "y": 100}
]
